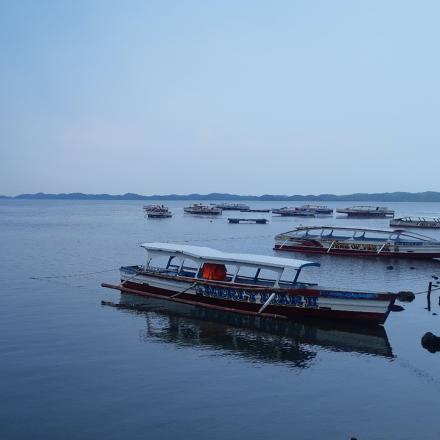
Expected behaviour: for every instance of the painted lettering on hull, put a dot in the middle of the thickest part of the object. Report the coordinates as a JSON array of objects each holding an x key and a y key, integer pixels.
[
  {"x": 361, "y": 246},
  {"x": 255, "y": 296}
]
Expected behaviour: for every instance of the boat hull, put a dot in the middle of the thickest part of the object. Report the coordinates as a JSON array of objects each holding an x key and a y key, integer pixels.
[
  {"x": 365, "y": 307},
  {"x": 356, "y": 252},
  {"x": 365, "y": 215},
  {"x": 425, "y": 225}
]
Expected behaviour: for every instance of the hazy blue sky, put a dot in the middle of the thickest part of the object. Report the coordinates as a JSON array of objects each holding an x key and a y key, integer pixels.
[{"x": 286, "y": 97}]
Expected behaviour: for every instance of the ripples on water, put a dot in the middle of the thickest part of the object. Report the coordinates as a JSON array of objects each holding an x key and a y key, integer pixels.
[{"x": 72, "y": 368}]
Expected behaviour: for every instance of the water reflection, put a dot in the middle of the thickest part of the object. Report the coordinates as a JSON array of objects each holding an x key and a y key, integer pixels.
[{"x": 254, "y": 338}]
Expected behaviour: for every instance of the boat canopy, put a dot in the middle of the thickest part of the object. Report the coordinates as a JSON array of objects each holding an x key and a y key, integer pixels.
[
  {"x": 207, "y": 254},
  {"x": 320, "y": 231}
]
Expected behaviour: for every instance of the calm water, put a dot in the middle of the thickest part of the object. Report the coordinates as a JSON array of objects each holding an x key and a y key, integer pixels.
[{"x": 73, "y": 369}]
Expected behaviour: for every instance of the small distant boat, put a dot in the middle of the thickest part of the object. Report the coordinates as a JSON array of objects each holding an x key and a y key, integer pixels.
[
  {"x": 318, "y": 209},
  {"x": 157, "y": 211},
  {"x": 416, "y": 222},
  {"x": 233, "y": 206},
  {"x": 335, "y": 240},
  {"x": 254, "y": 210},
  {"x": 148, "y": 208},
  {"x": 367, "y": 211},
  {"x": 210, "y": 278},
  {"x": 200, "y": 209},
  {"x": 294, "y": 212}
]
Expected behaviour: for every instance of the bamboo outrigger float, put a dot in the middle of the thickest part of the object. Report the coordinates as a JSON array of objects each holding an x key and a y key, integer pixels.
[{"x": 234, "y": 282}]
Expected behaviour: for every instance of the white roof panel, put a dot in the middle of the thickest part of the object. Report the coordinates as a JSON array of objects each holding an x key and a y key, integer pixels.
[{"x": 209, "y": 254}]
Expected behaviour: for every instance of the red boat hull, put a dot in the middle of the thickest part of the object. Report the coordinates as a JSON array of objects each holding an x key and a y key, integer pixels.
[{"x": 353, "y": 253}]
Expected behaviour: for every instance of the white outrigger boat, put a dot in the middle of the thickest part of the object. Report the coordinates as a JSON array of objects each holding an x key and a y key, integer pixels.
[
  {"x": 233, "y": 206},
  {"x": 416, "y": 222},
  {"x": 200, "y": 209},
  {"x": 335, "y": 240},
  {"x": 233, "y": 282},
  {"x": 157, "y": 211},
  {"x": 303, "y": 211},
  {"x": 293, "y": 211},
  {"x": 367, "y": 211},
  {"x": 318, "y": 209}
]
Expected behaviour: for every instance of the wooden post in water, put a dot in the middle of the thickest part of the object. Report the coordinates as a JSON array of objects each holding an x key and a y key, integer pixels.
[{"x": 428, "y": 296}]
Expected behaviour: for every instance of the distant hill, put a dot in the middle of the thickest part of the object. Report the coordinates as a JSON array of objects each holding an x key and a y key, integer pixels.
[{"x": 427, "y": 196}]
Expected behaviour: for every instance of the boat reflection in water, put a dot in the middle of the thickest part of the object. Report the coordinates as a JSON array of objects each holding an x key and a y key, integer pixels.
[{"x": 255, "y": 338}]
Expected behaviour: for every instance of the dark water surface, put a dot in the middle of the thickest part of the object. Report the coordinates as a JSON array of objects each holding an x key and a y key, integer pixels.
[{"x": 73, "y": 369}]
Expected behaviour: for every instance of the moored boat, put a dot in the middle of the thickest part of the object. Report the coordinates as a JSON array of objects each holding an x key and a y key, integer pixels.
[
  {"x": 157, "y": 211},
  {"x": 294, "y": 212},
  {"x": 233, "y": 282},
  {"x": 200, "y": 209},
  {"x": 416, "y": 222},
  {"x": 233, "y": 206},
  {"x": 148, "y": 208},
  {"x": 335, "y": 240},
  {"x": 318, "y": 209},
  {"x": 366, "y": 211}
]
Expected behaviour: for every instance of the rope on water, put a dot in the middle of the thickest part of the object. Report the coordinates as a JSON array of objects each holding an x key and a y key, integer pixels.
[
  {"x": 193, "y": 240},
  {"x": 426, "y": 291}
]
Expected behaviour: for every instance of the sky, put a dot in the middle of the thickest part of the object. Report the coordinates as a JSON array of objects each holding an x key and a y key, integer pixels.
[{"x": 246, "y": 97}]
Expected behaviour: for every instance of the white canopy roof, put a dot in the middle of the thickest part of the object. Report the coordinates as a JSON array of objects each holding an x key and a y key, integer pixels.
[{"x": 214, "y": 255}]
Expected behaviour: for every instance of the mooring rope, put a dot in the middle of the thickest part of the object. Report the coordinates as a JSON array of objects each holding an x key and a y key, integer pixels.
[
  {"x": 427, "y": 290},
  {"x": 82, "y": 274},
  {"x": 197, "y": 240}
]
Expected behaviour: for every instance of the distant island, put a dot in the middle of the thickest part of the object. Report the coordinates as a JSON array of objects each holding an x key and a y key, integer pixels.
[{"x": 427, "y": 196}]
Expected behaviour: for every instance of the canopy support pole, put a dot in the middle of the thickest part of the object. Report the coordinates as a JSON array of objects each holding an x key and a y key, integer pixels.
[
  {"x": 236, "y": 273},
  {"x": 296, "y": 276}
]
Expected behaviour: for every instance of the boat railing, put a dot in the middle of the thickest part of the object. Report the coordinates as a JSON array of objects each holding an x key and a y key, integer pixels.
[{"x": 174, "y": 270}]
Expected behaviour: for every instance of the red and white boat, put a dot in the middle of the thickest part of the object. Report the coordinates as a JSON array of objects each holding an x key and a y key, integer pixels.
[
  {"x": 242, "y": 283},
  {"x": 200, "y": 209},
  {"x": 416, "y": 222},
  {"x": 367, "y": 211},
  {"x": 335, "y": 240},
  {"x": 294, "y": 212}
]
